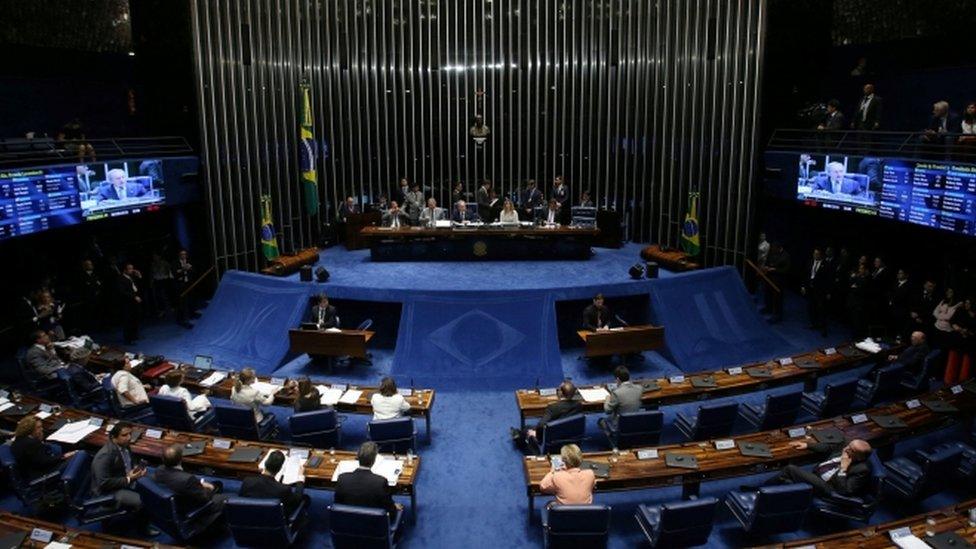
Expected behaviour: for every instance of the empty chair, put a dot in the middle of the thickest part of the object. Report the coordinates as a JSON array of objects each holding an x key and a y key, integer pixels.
[
  {"x": 835, "y": 399},
  {"x": 856, "y": 508},
  {"x": 179, "y": 521},
  {"x": 566, "y": 430},
  {"x": 883, "y": 386},
  {"x": 363, "y": 527},
  {"x": 172, "y": 413},
  {"x": 778, "y": 411},
  {"x": 678, "y": 523},
  {"x": 918, "y": 382},
  {"x": 44, "y": 491},
  {"x": 576, "y": 525},
  {"x": 771, "y": 509},
  {"x": 711, "y": 421},
  {"x": 393, "y": 435},
  {"x": 318, "y": 428},
  {"x": 635, "y": 429},
  {"x": 930, "y": 471},
  {"x": 138, "y": 413},
  {"x": 967, "y": 458},
  {"x": 236, "y": 421},
  {"x": 262, "y": 522}
]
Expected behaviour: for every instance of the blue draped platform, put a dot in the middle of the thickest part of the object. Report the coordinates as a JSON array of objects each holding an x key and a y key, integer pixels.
[{"x": 493, "y": 321}]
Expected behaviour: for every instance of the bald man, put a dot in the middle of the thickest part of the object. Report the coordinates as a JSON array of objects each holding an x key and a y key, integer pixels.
[
  {"x": 913, "y": 357},
  {"x": 846, "y": 472},
  {"x": 191, "y": 491}
]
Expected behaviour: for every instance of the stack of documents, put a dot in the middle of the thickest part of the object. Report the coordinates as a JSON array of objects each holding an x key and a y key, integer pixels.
[
  {"x": 330, "y": 395},
  {"x": 5, "y": 403},
  {"x": 351, "y": 396},
  {"x": 213, "y": 379},
  {"x": 266, "y": 388},
  {"x": 386, "y": 467},
  {"x": 868, "y": 346},
  {"x": 291, "y": 471},
  {"x": 73, "y": 433},
  {"x": 598, "y": 394}
]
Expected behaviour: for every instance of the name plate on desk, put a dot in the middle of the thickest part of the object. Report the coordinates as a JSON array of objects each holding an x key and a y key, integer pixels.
[
  {"x": 647, "y": 454},
  {"x": 41, "y": 535},
  {"x": 830, "y": 351},
  {"x": 785, "y": 361},
  {"x": 859, "y": 418},
  {"x": 4, "y": 393},
  {"x": 405, "y": 392},
  {"x": 735, "y": 371},
  {"x": 339, "y": 386},
  {"x": 46, "y": 408},
  {"x": 913, "y": 403},
  {"x": 96, "y": 421},
  {"x": 797, "y": 432},
  {"x": 221, "y": 444},
  {"x": 154, "y": 433},
  {"x": 547, "y": 392},
  {"x": 726, "y": 444},
  {"x": 956, "y": 389},
  {"x": 278, "y": 380},
  {"x": 676, "y": 379}
]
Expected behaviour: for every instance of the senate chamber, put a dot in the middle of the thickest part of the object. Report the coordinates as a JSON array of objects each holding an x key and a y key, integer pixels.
[{"x": 488, "y": 273}]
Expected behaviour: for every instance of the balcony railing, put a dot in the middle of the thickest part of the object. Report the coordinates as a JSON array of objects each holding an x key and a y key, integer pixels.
[
  {"x": 946, "y": 146},
  {"x": 15, "y": 152}
]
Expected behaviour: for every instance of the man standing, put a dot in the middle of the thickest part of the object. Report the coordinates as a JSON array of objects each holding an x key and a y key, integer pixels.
[
  {"x": 560, "y": 190},
  {"x": 131, "y": 303},
  {"x": 530, "y": 200},
  {"x": 415, "y": 203},
  {"x": 184, "y": 277},
  {"x": 113, "y": 473},
  {"x": 868, "y": 116},
  {"x": 483, "y": 199},
  {"x": 922, "y": 307},
  {"x": 347, "y": 208},
  {"x": 899, "y": 304},
  {"x": 777, "y": 268},
  {"x": 816, "y": 288}
]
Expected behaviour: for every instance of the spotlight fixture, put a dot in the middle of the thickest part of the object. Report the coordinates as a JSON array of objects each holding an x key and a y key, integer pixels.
[
  {"x": 321, "y": 274},
  {"x": 637, "y": 271}
]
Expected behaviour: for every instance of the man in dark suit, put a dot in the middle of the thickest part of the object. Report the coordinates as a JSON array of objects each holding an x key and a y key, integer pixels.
[
  {"x": 900, "y": 303},
  {"x": 531, "y": 199},
  {"x": 265, "y": 485},
  {"x": 940, "y": 123},
  {"x": 834, "y": 119},
  {"x": 113, "y": 473},
  {"x": 816, "y": 287},
  {"x": 33, "y": 457},
  {"x": 462, "y": 214},
  {"x": 324, "y": 315},
  {"x": 394, "y": 218},
  {"x": 923, "y": 304},
  {"x": 777, "y": 268},
  {"x": 131, "y": 303},
  {"x": 347, "y": 208},
  {"x": 566, "y": 406},
  {"x": 552, "y": 215},
  {"x": 560, "y": 191},
  {"x": 191, "y": 491},
  {"x": 868, "y": 115},
  {"x": 90, "y": 295},
  {"x": 41, "y": 359},
  {"x": 846, "y": 472},
  {"x": 363, "y": 487},
  {"x": 117, "y": 187},
  {"x": 913, "y": 357},
  {"x": 596, "y": 316},
  {"x": 184, "y": 277},
  {"x": 484, "y": 199}
]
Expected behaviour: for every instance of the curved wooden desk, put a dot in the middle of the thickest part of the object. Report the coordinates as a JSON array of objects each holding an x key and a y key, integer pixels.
[
  {"x": 82, "y": 539},
  {"x": 631, "y": 473},
  {"x": 532, "y": 404}
]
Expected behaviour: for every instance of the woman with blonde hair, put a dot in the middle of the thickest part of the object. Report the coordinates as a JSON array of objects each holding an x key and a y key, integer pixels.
[
  {"x": 570, "y": 484},
  {"x": 508, "y": 213},
  {"x": 244, "y": 394}
]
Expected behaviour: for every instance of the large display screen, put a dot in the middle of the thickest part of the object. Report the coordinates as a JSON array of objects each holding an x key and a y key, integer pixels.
[
  {"x": 936, "y": 194},
  {"x": 41, "y": 198}
]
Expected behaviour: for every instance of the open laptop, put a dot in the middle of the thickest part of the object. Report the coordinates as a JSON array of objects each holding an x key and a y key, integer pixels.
[{"x": 202, "y": 364}]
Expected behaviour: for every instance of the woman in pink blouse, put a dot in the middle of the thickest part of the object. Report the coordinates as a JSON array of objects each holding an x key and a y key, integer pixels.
[{"x": 570, "y": 484}]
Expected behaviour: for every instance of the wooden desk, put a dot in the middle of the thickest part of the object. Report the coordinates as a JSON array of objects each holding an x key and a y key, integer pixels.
[
  {"x": 354, "y": 225},
  {"x": 630, "y": 473},
  {"x": 216, "y": 459},
  {"x": 671, "y": 259},
  {"x": 948, "y": 519},
  {"x": 324, "y": 343},
  {"x": 533, "y": 404},
  {"x": 421, "y": 400},
  {"x": 619, "y": 341},
  {"x": 475, "y": 243},
  {"x": 82, "y": 539}
]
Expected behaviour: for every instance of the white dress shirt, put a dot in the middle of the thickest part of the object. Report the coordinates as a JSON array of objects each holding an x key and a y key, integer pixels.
[
  {"x": 388, "y": 407},
  {"x": 249, "y": 396}
]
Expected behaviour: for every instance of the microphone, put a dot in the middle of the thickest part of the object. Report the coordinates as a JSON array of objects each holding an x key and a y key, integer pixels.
[
  {"x": 620, "y": 320},
  {"x": 536, "y": 384},
  {"x": 411, "y": 384}
]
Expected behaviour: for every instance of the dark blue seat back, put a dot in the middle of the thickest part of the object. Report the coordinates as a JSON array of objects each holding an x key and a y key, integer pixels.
[
  {"x": 715, "y": 420},
  {"x": 686, "y": 523},
  {"x": 160, "y": 503},
  {"x": 641, "y": 427},
  {"x": 577, "y": 525},
  {"x": 171, "y": 412},
  {"x": 838, "y": 398},
  {"x": 566, "y": 430},
  {"x": 319, "y": 428},
  {"x": 393, "y": 435},
  {"x": 46, "y": 489},
  {"x": 886, "y": 383},
  {"x": 938, "y": 467},
  {"x": 781, "y": 508},
  {"x": 359, "y": 527},
  {"x": 780, "y": 410},
  {"x": 258, "y": 522},
  {"x": 234, "y": 420}
]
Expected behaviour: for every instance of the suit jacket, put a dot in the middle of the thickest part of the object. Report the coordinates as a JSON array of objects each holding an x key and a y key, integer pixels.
[
  {"x": 345, "y": 211},
  {"x": 108, "y": 192},
  {"x": 42, "y": 362},
  {"x": 530, "y": 199},
  {"x": 558, "y": 410},
  {"x": 108, "y": 470},
  {"x": 561, "y": 194},
  {"x": 834, "y": 121},
  {"x": 923, "y": 305},
  {"x": 189, "y": 493},
  {"x": 858, "y": 477},
  {"x": 483, "y": 198},
  {"x": 595, "y": 317},
  {"x": 626, "y": 398},
  {"x": 847, "y": 186},
  {"x": 128, "y": 289},
  {"x": 364, "y": 488},
  {"x": 468, "y": 216},
  {"x": 900, "y": 299},
  {"x": 913, "y": 358},
  {"x": 263, "y": 486},
  {"x": 870, "y": 121},
  {"x": 388, "y": 219},
  {"x": 543, "y": 215},
  {"x": 33, "y": 457},
  {"x": 426, "y": 215},
  {"x": 329, "y": 318},
  {"x": 821, "y": 280}
]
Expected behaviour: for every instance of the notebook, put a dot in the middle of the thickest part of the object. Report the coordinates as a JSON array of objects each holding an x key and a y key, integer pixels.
[
  {"x": 806, "y": 363},
  {"x": 601, "y": 470},
  {"x": 940, "y": 406},
  {"x": 194, "y": 448},
  {"x": 888, "y": 422},
  {"x": 759, "y": 372},
  {"x": 681, "y": 461},
  {"x": 245, "y": 454},
  {"x": 850, "y": 352},
  {"x": 703, "y": 382},
  {"x": 650, "y": 385},
  {"x": 754, "y": 449},
  {"x": 828, "y": 436},
  {"x": 948, "y": 540}
]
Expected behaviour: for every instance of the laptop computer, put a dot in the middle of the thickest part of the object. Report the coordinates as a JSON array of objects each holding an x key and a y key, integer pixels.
[{"x": 202, "y": 364}]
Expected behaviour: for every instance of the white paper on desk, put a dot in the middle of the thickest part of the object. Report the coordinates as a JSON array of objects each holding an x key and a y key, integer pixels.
[
  {"x": 4, "y": 400},
  {"x": 333, "y": 330},
  {"x": 42, "y": 415},
  {"x": 868, "y": 346},
  {"x": 594, "y": 395},
  {"x": 351, "y": 396},
  {"x": 386, "y": 467},
  {"x": 266, "y": 388},
  {"x": 617, "y": 329},
  {"x": 136, "y": 362},
  {"x": 213, "y": 379},
  {"x": 346, "y": 466},
  {"x": 57, "y": 545},
  {"x": 330, "y": 395},
  {"x": 200, "y": 402},
  {"x": 903, "y": 537},
  {"x": 72, "y": 433},
  {"x": 290, "y": 472},
  {"x": 6, "y": 405}
]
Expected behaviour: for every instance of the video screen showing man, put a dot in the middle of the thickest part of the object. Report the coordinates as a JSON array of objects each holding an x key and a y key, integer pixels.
[
  {"x": 118, "y": 187},
  {"x": 834, "y": 182}
]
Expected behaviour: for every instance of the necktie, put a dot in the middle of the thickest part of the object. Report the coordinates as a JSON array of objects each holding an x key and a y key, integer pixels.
[
  {"x": 864, "y": 108},
  {"x": 126, "y": 459},
  {"x": 827, "y": 469}
]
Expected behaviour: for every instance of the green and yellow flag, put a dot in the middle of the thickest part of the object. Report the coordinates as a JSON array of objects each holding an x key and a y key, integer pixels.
[
  {"x": 269, "y": 242},
  {"x": 307, "y": 148},
  {"x": 689, "y": 230}
]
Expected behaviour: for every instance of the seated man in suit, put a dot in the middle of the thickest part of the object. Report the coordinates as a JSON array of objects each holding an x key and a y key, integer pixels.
[
  {"x": 113, "y": 473},
  {"x": 553, "y": 215},
  {"x": 41, "y": 358},
  {"x": 33, "y": 456},
  {"x": 324, "y": 315},
  {"x": 913, "y": 357},
  {"x": 462, "y": 214},
  {"x": 190, "y": 490},
  {"x": 846, "y": 472},
  {"x": 566, "y": 406},
  {"x": 835, "y": 181},
  {"x": 363, "y": 487},
  {"x": 624, "y": 399},
  {"x": 431, "y": 213},
  {"x": 266, "y": 486},
  {"x": 117, "y": 187},
  {"x": 596, "y": 317},
  {"x": 394, "y": 218}
]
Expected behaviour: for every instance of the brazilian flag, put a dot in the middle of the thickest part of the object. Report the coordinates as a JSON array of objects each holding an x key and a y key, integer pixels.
[
  {"x": 689, "y": 231},
  {"x": 307, "y": 149},
  {"x": 269, "y": 242}
]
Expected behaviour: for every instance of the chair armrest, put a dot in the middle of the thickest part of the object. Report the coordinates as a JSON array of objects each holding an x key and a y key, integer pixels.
[
  {"x": 395, "y": 521},
  {"x": 298, "y": 511},
  {"x": 98, "y": 501},
  {"x": 852, "y": 501},
  {"x": 45, "y": 479},
  {"x": 199, "y": 510}
]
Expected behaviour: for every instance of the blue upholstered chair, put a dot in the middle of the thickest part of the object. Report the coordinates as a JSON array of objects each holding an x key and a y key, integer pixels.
[
  {"x": 318, "y": 428},
  {"x": 678, "y": 523},
  {"x": 883, "y": 385},
  {"x": 77, "y": 484},
  {"x": 931, "y": 471},
  {"x": 778, "y": 411},
  {"x": 172, "y": 413},
  {"x": 634, "y": 429},
  {"x": 711, "y": 421},
  {"x": 771, "y": 509},
  {"x": 855, "y": 508},
  {"x": 262, "y": 522},
  {"x": 180, "y": 523},
  {"x": 574, "y": 526},
  {"x": 918, "y": 382},
  {"x": 236, "y": 421},
  {"x": 566, "y": 430},
  {"x": 92, "y": 400},
  {"x": 967, "y": 458},
  {"x": 43, "y": 491},
  {"x": 835, "y": 399},
  {"x": 363, "y": 527},
  {"x": 393, "y": 435},
  {"x": 138, "y": 413},
  {"x": 40, "y": 386}
]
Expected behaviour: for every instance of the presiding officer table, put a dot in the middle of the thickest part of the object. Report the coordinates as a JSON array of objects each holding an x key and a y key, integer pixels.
[
  {"x": 479, "y": 242},
  {"x": 619, "y": 341}
]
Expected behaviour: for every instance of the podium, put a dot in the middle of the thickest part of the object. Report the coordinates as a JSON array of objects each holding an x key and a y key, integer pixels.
[
  {"x": 354, "y": 226},
  {"x": 350, "y": 343},
  {"x": 621, "y": 341}
]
